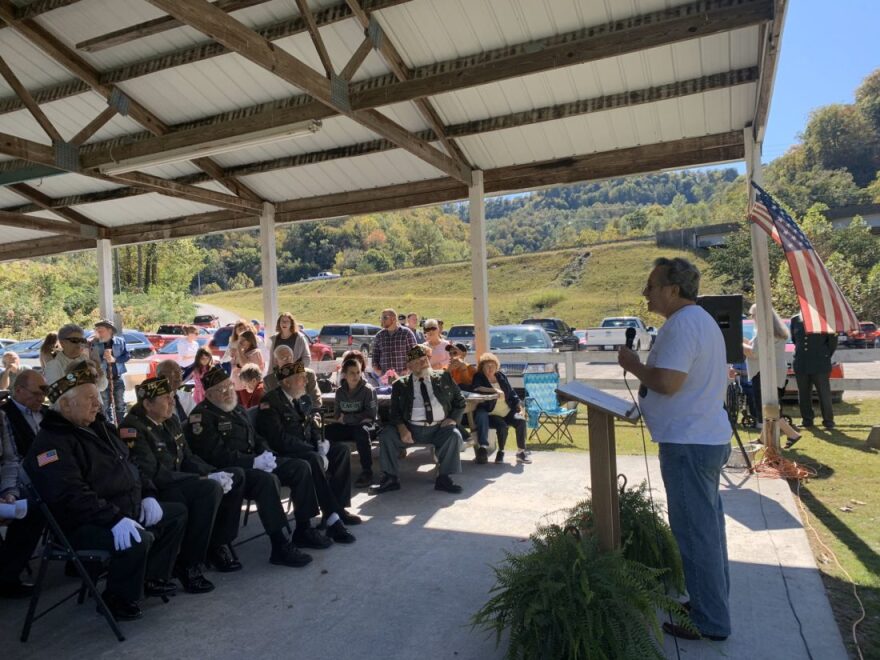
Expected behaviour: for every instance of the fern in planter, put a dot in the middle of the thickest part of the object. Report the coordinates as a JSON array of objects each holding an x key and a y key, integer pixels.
[
  {"x": 646, "y": 538},
  {"x": 567, "y": 599}
]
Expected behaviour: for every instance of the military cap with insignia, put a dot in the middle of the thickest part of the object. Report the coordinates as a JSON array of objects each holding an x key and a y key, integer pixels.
[
  {"x": 416, "y": 352},
  {"x": 152, "y": 388},
  {"x": 285, "y": 370},
  {"x": 81, "y": 376},
  {"x": 214, "y": 376}
]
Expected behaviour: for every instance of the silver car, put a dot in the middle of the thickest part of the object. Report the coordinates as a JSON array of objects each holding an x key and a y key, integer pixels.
[{"x": 523, "y": 340}]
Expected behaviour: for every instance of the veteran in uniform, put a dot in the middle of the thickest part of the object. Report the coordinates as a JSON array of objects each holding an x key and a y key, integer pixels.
[
  {"x": 159, "y": 449},
  {"x": 82, "y": 470},
  {"x": 219, "y": 431},
  {"x": 426, "y": 408},
  {"x": 287, "y": 417}
]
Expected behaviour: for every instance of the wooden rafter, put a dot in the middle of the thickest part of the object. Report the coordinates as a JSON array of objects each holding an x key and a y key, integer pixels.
[
  {"x": 632, "y": 98},
  {"x": 34, "y": 9},
  {"x": 401, "y": 70},
  {"x": 28, "y": 100},
  {"x": 64, "y": 56},
  {"x": 357, "y": 58},
  {"x": 21, "y": 221},
  {"x": 155, "y": 26},
  {"x": 94, "y": 126},
  {"x": 246, "y": 42},
  {"x": 315, "y": 34},
  {"x": 274, "y": 31},
  {"x": 45, "y": 202}
]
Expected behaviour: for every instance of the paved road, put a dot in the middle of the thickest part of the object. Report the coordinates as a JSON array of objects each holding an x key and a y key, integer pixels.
[{"x": 224, "y": 314}]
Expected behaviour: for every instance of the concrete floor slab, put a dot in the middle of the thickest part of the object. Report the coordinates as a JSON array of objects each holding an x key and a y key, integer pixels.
[{"x": 420, "y": 569}]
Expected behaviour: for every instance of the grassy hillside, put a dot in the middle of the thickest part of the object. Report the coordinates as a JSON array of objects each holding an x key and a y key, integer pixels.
[{"x": 609, "y": 283}]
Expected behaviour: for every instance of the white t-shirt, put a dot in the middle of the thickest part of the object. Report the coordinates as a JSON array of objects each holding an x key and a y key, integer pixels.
[{"x": 690, "y": 342}]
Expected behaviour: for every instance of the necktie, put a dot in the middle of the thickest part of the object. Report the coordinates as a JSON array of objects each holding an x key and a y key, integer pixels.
[
  {"x": 429, "y": 414},
  {"x": 31, "y": 419},
  {"x": 181, "y": 413}
]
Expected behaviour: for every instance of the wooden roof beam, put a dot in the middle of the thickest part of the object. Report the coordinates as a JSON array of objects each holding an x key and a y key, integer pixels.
[
  {"x": 94, "y": 126},
  {"x": 357, "y": 58},
  {"x": 28, "y": 100},
  {"x": 45, "y": 202},
  {"x": 39, "y": 7},
  {"x": 246, "y": 42},
  {"x": 315, "y": 34},
  {"x": 21, "y": 221}
]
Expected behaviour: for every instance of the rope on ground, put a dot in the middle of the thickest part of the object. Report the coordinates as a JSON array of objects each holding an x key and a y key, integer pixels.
[
  {"x": 774, "y": 466},
  {"x": 806, "y": 518}
]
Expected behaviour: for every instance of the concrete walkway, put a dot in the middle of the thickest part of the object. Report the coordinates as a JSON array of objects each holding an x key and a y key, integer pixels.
[{"x": 420, "y": 569}]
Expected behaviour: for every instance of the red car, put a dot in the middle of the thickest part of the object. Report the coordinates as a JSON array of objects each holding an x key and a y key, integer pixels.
[
  {"x": 220, "y": 341},
  {"x": 865, "y": 336},
  {"x": 168, "y": 332},
  {"x": 170, "y": 352}
]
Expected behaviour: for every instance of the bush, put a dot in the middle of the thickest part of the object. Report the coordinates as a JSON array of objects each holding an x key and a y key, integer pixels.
[
  {"x": 240, "y": 281},
  {"x": 542, "y": 301},
  {"x": 211, "y": 287}
]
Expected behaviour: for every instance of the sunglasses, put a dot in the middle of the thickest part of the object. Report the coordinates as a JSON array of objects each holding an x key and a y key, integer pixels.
[{"x": 76, "y": 340}]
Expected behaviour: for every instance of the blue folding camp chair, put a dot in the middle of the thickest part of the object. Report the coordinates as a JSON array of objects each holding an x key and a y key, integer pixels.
[{"x": 543, "y": 409}]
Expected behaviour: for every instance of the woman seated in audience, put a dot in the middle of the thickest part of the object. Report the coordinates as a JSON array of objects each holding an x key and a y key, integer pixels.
[
  {"x": 200, "y": 366},
  {"x": 500, "y": 413},
  {"x": 356, "y": 414},
  {"x": 247, "y": 352},
  {"x": 252, "y": 379},
  {"x": 49, "y": 348},
  {"x": 287, "y": 334},
  {"x": 434, "y": 341}
]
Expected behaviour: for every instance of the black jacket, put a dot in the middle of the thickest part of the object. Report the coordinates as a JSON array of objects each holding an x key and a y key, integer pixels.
[
  {"x": 812, "y": 350},
  {"x": 23, "y": 433},
  {"x": 510, "y": 395},
  {"x": 160, "y": 450},
  {"x": 447, "y": 393},
  {"x": 292, "y": 428},
  {"x": 85, "y": 474},
  {"x": 224, "y": 439}
]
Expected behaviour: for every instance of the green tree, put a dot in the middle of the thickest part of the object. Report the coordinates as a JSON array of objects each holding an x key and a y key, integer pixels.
[{"x": 840, "y": 137}]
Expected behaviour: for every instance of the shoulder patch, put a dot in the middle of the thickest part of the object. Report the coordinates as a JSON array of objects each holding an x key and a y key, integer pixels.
[
  {"x": 195, "y": 418},
  {"x": 197, "y": 428},
  {"x": 47, "y": 457},
  {"x": 265, "y": 406},
  {"x": 131, "y": 444},
  {"x": 128, "y": 433}
]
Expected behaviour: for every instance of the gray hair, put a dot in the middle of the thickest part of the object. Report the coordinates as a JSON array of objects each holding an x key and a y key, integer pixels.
[
  {"x": 283, "y": 348},
  {"x": 780, "y": 331},
  {"x": 69, "y": 330},
  {"x": 681, "y": 273},
  {"x": 69, "y": 394}
]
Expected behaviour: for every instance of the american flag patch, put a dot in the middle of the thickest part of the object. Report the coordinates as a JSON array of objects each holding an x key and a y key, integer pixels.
[
  {"x": 128, "y": 433},
  {"x": 47, "y": 457}
]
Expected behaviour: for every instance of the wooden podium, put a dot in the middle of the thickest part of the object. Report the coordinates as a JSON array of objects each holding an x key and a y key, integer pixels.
[{"x": 602, "y": 410}]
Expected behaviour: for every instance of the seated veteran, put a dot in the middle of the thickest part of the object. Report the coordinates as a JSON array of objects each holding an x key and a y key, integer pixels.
[
  {"x": 25, "y": 409},
  {"x": 462, "y": 372},
  {"x": 82, "y": 470},
  {"x": 251, "y": 379},
  {"x": 287, "y": 417},
  {"x": 357, "y": 412},
  {"x": 426, "y": 407},
  {"x": 220, "y": 433},
  {"x": 284, "y": 355},
  {"x": 183, "y": 399},
  {"x": 155, "y": 440}
]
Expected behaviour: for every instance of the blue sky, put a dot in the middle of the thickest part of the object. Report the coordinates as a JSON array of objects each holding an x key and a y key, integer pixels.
[{"x": 827, "y": 50}]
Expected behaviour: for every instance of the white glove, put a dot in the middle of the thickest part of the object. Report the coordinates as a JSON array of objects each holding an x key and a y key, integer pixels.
[
  {"x": 324, "y": 462},
  {"x": 151, "y": 512},
  {"x": 123, "y": 533},
  {"x": 265, "y": 462},
  {"x": 222, "y": 478},
  {"x": 324, "y": 447}
]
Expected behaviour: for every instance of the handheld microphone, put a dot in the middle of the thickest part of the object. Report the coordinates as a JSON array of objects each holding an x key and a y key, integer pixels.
[{"x": 630, "y": 337}]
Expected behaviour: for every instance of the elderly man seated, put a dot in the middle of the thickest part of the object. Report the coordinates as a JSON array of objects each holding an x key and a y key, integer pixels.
[
  {"x": 287, "y": 417},
  {"x": 160, "y": 451},
  {"x": 82, "y": 470},
  {"x": 284, "y": 355},
  {"x": 220, "y": 432},
  {"x": 426, "y": 407},
  {"x": 25, "y": 408},
  {"x": 183, "y": 399}
]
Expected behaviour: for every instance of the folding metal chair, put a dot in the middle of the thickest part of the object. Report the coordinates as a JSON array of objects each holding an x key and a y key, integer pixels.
[
  {"x": 56, "y": 547},
  {"x": 543, "y": 409}
]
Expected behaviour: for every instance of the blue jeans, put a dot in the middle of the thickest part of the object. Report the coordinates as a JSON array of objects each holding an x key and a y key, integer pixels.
[
  {"x": 118, "y": 386},
  {"x": 483, "y": 421},
  {"x": 692, "y": 474}
]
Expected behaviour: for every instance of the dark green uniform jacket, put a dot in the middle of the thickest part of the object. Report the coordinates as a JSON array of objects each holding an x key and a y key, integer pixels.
[
  {"x": 224, "y": 439},
  {"x": 291, "y": 428},
  {"x": 445, "y": 389}
]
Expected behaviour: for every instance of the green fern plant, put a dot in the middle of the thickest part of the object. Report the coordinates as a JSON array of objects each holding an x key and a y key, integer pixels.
[{"x": 566, "y": 599}]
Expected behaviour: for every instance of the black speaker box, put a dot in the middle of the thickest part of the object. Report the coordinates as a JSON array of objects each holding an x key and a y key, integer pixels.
[{"x": 727, "y": 312}]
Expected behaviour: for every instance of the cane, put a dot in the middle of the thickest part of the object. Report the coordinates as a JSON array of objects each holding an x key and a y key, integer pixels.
[{"x": 110, "y": 379}]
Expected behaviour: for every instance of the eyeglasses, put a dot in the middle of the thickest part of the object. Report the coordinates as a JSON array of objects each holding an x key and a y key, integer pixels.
[{"x": 76, "y": 340}]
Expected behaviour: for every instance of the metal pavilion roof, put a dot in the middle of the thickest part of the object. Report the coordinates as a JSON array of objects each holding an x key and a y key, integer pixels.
[{"x": 532, "y": 92}]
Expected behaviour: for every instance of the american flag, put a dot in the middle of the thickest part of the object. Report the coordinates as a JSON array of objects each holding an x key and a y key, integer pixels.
[{"x": 823, "y": 306}]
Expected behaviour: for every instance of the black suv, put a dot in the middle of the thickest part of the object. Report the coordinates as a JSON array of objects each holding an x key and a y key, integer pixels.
[
  {"x": 341, "y": 337},
  {"x": 560, "y": 332}
]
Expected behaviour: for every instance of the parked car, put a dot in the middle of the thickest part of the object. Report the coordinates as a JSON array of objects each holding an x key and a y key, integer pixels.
[
  {"x": 4, "y": 342},
  {"x": 865, "y": 337},
  {"x": 168, "y": 332},
  {"x": 345, "y": 336},
  {"x": 582, "y": 338},
  {"x": 318, "y": 350},
  {"x": 24, "y": 347},
  {"x": 171, "y": 351},
  {"x": 522, "y": 339},
  {"x": 311, "y": 333},
  {"x": 323, "y": 275},
  {"x": 463, "y": 334},
  {"x": 560, "y": 332},
  {"x": 219, "y": 342},
  {"x": 137, "y": 344},
  {"x": 611, "y": 334},
  {"x": 207, "y": 321}
]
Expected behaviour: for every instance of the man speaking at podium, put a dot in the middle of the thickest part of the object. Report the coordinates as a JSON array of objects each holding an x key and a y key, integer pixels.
[{"x": 683, "y": 384}]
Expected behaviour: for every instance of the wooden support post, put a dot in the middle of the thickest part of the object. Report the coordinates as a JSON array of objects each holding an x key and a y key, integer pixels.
[
  {"x": 268, "y": 264},
  {"x": 479, "y": 271},
  {"x": 603, "y": 477},
  {"x": 763, "y": 299},
  {"x": 105, "y": 279}
]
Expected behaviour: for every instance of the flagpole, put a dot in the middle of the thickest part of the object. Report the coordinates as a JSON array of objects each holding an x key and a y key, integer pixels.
[{"x": 763, "y": 299}]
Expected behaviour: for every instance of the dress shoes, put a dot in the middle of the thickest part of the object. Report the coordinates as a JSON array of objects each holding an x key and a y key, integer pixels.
[
  {"x": 349, "y": 518},
  {"x": 192, "y": 580},
  {"x": 339, "y": 534},
  {"x": 159, "y": 588},
  {"x": 481, "y": 455},
  {"x": 222, "y": 559},
  {"x": 121, "y": 609},
  {"x": 287, "y": 554},
  {"x": 828, "y": 424},
  {"x": 310, "y": 538},
  {"x": 16, "y": 589},
  {"x": 388, "y": 483},
  {"x": 364, "y": 480},
  {"x": 446, "y": 484}
]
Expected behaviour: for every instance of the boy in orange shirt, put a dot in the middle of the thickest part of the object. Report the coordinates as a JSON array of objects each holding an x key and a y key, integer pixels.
[{"x": 461, "y": 372}]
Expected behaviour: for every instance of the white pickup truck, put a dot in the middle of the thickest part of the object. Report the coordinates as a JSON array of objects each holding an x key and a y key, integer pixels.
[{"x": 612, "y": 333}]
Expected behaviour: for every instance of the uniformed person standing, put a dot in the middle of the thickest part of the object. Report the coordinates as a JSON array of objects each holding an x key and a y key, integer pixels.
[
  {"x": 83, "y": 472},
  {"x": 158, "y": 448},
  {"x": 218, "y": 430},
  {"x": 288, "y": 419}
]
